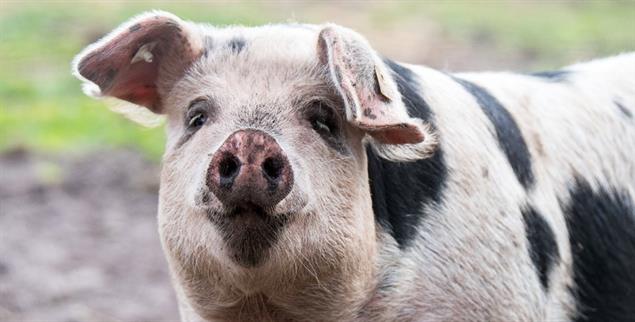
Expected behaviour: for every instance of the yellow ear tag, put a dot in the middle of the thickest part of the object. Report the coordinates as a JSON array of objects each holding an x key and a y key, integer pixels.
[{"x": 384, "y": 88}]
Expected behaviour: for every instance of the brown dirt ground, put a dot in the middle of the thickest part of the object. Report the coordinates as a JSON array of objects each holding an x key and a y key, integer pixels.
[{"x": 79, "y": 240}]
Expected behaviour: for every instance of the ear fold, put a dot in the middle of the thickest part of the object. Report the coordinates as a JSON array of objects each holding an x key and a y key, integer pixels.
[
  {"x": 140, "y": 60},
  {"x": 372, "y": 99}
]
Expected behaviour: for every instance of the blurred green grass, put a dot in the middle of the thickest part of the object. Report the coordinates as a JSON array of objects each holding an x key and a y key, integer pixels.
[
  {"x": 551, "y": 30},
  {"x": 42, "y": 106}
]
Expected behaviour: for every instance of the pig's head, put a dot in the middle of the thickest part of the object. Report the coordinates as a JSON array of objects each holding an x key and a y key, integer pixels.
[{"x": 264, "y": 182}]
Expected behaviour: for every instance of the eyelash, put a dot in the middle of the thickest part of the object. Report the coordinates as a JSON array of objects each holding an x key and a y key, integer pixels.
[{"x": 197, "y": 120}]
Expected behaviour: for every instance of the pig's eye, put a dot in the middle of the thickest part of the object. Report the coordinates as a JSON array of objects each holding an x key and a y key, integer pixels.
[
  {"x": 323, "y": 119},
  {"x": 327, "y": 123},
  {"x": 197, "y": 114}
]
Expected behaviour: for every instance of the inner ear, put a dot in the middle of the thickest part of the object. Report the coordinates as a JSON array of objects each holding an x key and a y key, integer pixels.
[
  {"x": 140, "y": 60},
  {"x": 371, "y": 97}
]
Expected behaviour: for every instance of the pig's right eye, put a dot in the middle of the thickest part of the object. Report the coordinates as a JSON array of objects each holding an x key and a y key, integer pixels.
[{"x": 197, "y": 114}]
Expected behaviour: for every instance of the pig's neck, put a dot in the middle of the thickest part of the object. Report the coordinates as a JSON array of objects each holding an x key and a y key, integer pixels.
[{"x": 400, "y": 193}]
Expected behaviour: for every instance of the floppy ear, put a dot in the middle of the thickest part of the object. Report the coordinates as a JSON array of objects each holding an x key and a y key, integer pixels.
[
  {"x": 139, "y": 61},
  {"x": 372, "y": 99}
]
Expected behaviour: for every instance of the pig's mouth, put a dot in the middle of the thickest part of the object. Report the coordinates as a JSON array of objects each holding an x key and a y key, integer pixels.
[
  {"x": 251, "y": 214},
  {"x": 249, "y": 210},
  {"x": 248, "y": 231}
]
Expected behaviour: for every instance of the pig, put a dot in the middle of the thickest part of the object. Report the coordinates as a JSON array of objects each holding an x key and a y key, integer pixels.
[{"x": 308, "y": 178}]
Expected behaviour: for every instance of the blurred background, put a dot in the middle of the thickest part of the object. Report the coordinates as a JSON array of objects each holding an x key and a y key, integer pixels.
[{"x": 78, "y": 183}]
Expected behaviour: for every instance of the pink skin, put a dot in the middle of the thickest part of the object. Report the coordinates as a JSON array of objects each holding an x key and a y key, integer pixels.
[{"x": 250, "y": 168}]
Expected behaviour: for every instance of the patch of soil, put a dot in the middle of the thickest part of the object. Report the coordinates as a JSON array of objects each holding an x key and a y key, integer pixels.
[{"x": 79, "y": 240}]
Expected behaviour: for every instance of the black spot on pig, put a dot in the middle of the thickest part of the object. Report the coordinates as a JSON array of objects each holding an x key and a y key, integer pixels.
[
  {"x": 236, "y": 45},
  {"x": 553, "y": 75},
  {"x": 543, "y": 249},
  {"x": 508, "y": 134},
  {"x": 601, "y": 225},
  {"x": 401, "y": 190},
  {"x": 134, "y": 27}
]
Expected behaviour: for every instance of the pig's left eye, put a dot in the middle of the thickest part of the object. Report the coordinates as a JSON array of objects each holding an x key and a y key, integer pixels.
[
  {"x": 323, "y": 119},
  {"x": 197, "y": 114}
]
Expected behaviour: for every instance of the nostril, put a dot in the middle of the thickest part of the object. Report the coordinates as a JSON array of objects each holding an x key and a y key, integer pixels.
[
  {"x": 228, "y": 169},
  {"x": 250, "y": 168},
  {"x": 272, "y": 167}
]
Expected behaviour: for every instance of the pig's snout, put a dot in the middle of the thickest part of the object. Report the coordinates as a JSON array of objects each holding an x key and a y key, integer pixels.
[{"x": 250, "y": 168}]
